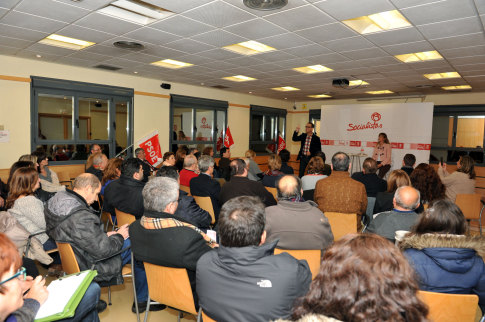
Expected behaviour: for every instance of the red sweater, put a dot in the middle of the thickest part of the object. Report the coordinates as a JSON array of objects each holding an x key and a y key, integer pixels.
[{"x": 185, "y": 176}]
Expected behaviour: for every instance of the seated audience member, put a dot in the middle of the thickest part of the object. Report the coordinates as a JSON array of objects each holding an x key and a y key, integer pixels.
[
  {"x": 362, "y": 278},
  {"x": 384, "y": 200},
  {"x": 125, "y": 194},
  {"x": 48, "y": 178},
  {"x": 189, "y": 171},
  {"x": 285, "y": 157},
  {"x": 427, "y": 181},
  {"x": 224, "y": 164},
  {"x": 250, "y": 175},
  {"x": 327, "y": 170},
  {"x": 314, "y": 171},
  {"x": 168, "y": 159},
  {"x": 59, "y": 153},
  {"x": 179, "y": 158},
  {"x": 80, "y": 153},
  {"x": 271, "y": 176},
  {"x": 373, "y": 184},
  {"x": 408, "y": 163},
  {"x": 71, "y": 219},
  {"x": 208, "y": 150},
  {"x": 254, "y": 169},
  {"x": 204, "y": 185},
  {"x": 240, "y": 185},
  {"x": 162, "y": 238},
  {"x": 242, "y": 280},
  {"x": 95, "y": 148},
  {"x": 339, "y": 192},
  {"x": 445, "y": 260},
  {"x": 460, "y": 181},
  {"x": 111, "y": 173},
  {"x": 147, "y": 167},
  {"x": 38, "y": 193},
  {"x": 188, "y": 210},
  {"x": 15, "y": 306},
  {"x": 296, "y": 223},
  {"x": 402, "y": 217},
  {"x": 100, "y": 161},
  {"x": 195, "y": 152}
]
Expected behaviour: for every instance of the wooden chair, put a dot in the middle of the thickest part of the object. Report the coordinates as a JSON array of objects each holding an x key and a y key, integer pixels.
[
  {"x": 64, "y": 179},
  {"x": 273, "y": 191},
  {"x": 450, "y": 307},
  {"x": 471, "y": 206},
  {"x": 123, "y": 218},
  {"x": 185, "y": 188},
  {"x": 312, "y": 256},
  {"x": 170, "y": 286},
  {"x": 206, "y": 204},
  {"x": 342, "y": 224}
]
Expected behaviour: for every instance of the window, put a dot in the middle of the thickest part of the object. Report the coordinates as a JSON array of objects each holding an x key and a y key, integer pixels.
[
  {"x": 197, "y": 122},
  {"x": 315, "y": 118},
  {"x": 458, "y": 130},
  {"x": 68, "y": 117},
  {"x": 266, "y": 124}
]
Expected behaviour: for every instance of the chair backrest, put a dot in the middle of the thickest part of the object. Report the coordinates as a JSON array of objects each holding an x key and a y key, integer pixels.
[
  {"x": 123, "y": 218},
  {"x": 222, "y": 181},
  {"x": 206, "y": 204},
  {"x": 312, "y": 256},
  {"x": 68, "y": 259},
  {"x": 205, "y": 318},
  {"x": 308, "y": 194},
  {"x": 450, "y": 307},
  {"x": 469, "y": 204},
  {"x": 273, "y": 191},
  {"x": 342, "y": 224},
  {"x": 185, "y": 188},
  {"x": 170, "y": 286}
]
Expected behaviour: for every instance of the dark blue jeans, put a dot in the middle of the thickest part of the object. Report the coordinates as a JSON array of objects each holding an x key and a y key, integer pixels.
[
  {"x": 140, "y": 276},
  {"x": 86, "y": 310}
]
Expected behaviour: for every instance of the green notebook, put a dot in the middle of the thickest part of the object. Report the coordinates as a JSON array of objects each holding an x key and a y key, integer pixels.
[{"x": 65, "y": 294}]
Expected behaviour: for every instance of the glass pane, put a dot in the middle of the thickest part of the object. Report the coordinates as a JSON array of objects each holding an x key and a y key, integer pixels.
[
  {"x": 55, "y": 117},
  {"x": 204, "y": 123},
  {"x": 269, "y": 127},
  {"x": 93, "y": 119},
  {"x": 202, "y": 146},
  {"x": 442, "y": 134},
  {"x": 469, "y": 131},
  {"x": 263, "y": 148},
  {"x": 257, "y": 128},
  {"x": 121, "y": 119},
  {"x": 317, "y": 127},
  {"x": 282, "y": 125},
  {"x": 220, "y": 128},
  {"x": 183, "y": 123}
]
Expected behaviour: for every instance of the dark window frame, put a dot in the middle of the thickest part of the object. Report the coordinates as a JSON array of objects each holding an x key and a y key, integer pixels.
[{"x": 266, "y": 112}]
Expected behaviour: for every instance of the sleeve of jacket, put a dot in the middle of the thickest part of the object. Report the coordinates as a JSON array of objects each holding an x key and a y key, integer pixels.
[
  {"x": 363, "y": 206},
  {"x": 197, "y": 215},
  {"x": 106, "y": 200},
  {"x": 297, "y": 137},
  {"x": 194, "y": 251},
  {"x": 303, "y": 278},
  {"x": 387, "y": 154},
  {"x": 267, "y": 197}
]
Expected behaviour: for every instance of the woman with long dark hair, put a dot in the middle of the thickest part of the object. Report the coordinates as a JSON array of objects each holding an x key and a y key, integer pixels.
[{"x": 425, "y": 179}]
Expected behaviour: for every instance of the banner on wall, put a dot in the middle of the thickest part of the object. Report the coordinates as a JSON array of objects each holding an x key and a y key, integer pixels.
[
  {"x": 151, "y": 145},
  {"x": 354, "y": 129}
]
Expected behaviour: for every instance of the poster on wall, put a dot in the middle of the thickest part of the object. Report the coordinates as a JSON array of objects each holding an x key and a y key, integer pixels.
[
  {"x": 204, "y": 124},
  {"x": 354, "y": 129}
]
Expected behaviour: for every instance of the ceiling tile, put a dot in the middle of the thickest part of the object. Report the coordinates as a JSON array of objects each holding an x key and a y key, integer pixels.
[
  {"x": 13, "y": 42},
  {"x": 142, "y": 57},
  {"x": 451, "y": 28},
  {"x": 294, "y": 63},
  {"x": 439, "y": 11},
  {"x": 245, "y": 61},
  {"x": 346, "y": 44},
  {"x": 3, "y": 11},
  {"x": 29, "y": 21},
  {"x": 33, "y": 55},
  {"x": 107, "y": 24},
  {"x": 86, "y": 55},
  {"x": 328, "y": 32},
  {"x": 91, "y": 5},
  {"x": 463, "y": 52},
  {"x": 378, "y": 61},
  {"x": 83, "y": 33},
  {"x": 394, "y": 37},
  {"x": 9, "y": 4},
  {"x": 274, "y": 56},
  {"x": 291, "y": 4},
  {"x": 218, "y": 14},
  {"x": 459, "y": 41},
  {"x": 299, "y": 18},
  {"x": 196, "y": 59},
  {"x": 221, "y": 65},
  {"x": 69, "y": 60},
  {"x": 401, "y": 4},
  {"x": 288, "y": 40},
  {"x": 189, "y": 46},
  {"x": 107, "y": 50},
  {"x": 470, "y": 67},
  {"x": 218, "y": 53},
  {"x": 346, "y": 9},
  {"x": 467, "y": 60},
  {"x": 52, "y": 10},
  {"x": 41, "y": 48},
  {"x": 268, "y": 67},
  {"x": 182, "y": 26},
  {"x": 327, "y": 59},
  {"x": 178, "y": 6},
  {"x": 308, "y": 50},
  {"x": 406, "y": 48},
  {"x": 5, "y": 50},
  {"x": 219, "y": 38},
  {"x": 153, "y": 36},
  {"x": 121, "y": 62},
  {"x": 365, "y": 53},
  {"x": 21, "y": 33},
  {"x": 255, "y": 29}
]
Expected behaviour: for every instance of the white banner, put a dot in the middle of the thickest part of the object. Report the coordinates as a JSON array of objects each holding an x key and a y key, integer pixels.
[{"x": 354, "y": 129}]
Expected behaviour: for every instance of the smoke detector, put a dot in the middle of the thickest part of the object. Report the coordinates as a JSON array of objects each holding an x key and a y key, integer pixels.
[{"x": 265, "y": 5}]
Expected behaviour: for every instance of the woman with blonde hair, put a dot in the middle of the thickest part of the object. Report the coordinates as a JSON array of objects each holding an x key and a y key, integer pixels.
[
  {"x": 460, "y": 181},
  {"x": 253, "y": 166},
  {"x": 384, "y": 200},
  {"x": 271, "y": 176},
  {"x": 382, "y": 154}
]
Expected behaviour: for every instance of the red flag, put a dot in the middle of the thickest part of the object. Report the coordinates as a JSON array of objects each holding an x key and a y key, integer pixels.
[
  {"x": 228, "y": 141},
  {"x": 270, "y": 147},
  {"x": 219, "y": 142},
  {"x": 151, "y": 145},
  {"x": 281, "y": 143}
]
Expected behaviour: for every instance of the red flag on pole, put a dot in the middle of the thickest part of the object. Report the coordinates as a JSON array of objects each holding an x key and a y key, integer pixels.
[
  {"x": 281, "y": 143},
  {"x": 151, "y": 145},
  {"x": 228, "y": 141}
]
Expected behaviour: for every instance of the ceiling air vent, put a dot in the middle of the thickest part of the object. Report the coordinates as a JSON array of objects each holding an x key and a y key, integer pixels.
[
  {"x": 265, "y": 5},
  {"x": 128, "y": 45},
  {"x": 220, "y": 86},
  {"x": 424, "y": 86},
  {"x": 107, "y": 67}
]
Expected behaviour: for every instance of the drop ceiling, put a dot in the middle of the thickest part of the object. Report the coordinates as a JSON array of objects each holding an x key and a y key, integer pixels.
[{"x": 305, "y": 32}]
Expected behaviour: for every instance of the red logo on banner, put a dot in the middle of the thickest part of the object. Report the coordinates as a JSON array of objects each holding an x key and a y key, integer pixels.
[
  {"x": 326, "y": 142},
  {"x": 424, "y": 146},
  {"x": 354, "y": 143},
  {"x": 204, "y": 124},
  {"x": 396, "y": 145},
  {"x": 375, "y": 117},
  {"x": 152, "y": 149}
]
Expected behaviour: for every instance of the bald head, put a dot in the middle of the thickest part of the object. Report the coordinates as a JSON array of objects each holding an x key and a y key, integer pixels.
[
  {"x": 406, "y": 198},
  {"x": 289, "y": 187},
  {"x": 87, "y": 186}
]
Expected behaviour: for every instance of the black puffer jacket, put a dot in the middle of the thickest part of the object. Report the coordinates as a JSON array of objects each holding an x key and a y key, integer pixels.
[
  {"x": 190, "y": 212},
  {"x": 70, "y": 219}
]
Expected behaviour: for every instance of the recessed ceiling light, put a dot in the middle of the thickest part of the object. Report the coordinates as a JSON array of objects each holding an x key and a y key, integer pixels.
[
  {"x": 421, "y": 56},
  {"x": 320, "y": 96},
  {"x": 385, "y": 91},
  {"x": 358, "y": 82},
  {"x": 248, "y": 48},
  {"x": 285, "y": 89},
  {"x": 66, "y": 42},
  {"x": 239, "y": 78},
  {"x": 381, "y": 21},
  {"x": 442, "y": 75},
  {"x": 136, "y": 11},
  {"x": 171, "y": 63},
  {"x": 313, "y": 69},
  {"x": 286, "y": 98},
  {"x": 457, "y": 87},
  {"x": 38, "y": 56},
  {"x": 135, "y": 72},
  {"x": 250, "y": 92}
]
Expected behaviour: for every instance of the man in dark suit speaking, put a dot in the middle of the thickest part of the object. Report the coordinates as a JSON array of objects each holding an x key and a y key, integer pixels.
[{"x": 310, "y": 145}]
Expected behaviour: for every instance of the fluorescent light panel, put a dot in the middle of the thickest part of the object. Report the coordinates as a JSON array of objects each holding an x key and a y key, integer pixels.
[
  {"x": 385, "y": 91},
  {"x": 358, "y": 82},
  {"x": 442, "y": 75},
  {"x": 285, "y": 89},
  {"x": 249, "y": 48},
  {"x": 313, "y": 69},
  {"x": 421, "y": 56},
  {"x": 239, "y": 78},
  {"x": 171, "y": 63},
  {"x": 319, "y": 96},
  {"x": 66, "y": 42},
  {"x": 456, "y": 87},
  {"x": 381, "y": 21},
  {"x": 135, "y": 11}
]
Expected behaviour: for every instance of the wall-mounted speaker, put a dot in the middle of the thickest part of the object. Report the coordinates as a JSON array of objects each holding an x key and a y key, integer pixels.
[{"x": 166, "y": 86}]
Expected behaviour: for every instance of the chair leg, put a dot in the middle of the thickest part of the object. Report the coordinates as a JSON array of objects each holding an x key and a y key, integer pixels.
[
  {"x": 199, "y": 315},
  {"x": 480, "y": 221},
  {"x": 179, "y": 316},
  {"x": 134, "y": 287},
  {"x": 109, "y": 295},
  {"x": 148, "y": 307}
]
